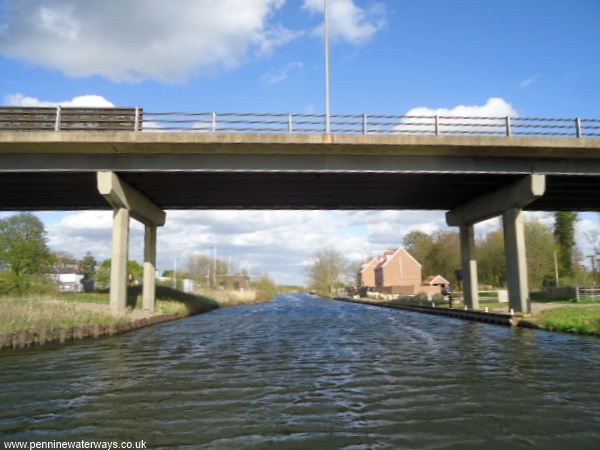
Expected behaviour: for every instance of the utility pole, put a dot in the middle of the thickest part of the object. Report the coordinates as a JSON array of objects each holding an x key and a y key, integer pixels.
[
  {"x": 555, "y": 269},
  {"x": 327, "y": 73},
  {"x": 214, "y": 249},
  {"x": 175, "y": 273}
]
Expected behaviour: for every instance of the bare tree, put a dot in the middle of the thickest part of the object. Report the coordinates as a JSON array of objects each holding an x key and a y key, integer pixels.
[{"x": 327, "y": 270}]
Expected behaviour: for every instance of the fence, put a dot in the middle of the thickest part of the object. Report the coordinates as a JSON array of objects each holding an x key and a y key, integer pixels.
[
  {"x": 588, "y": 293},
  {"x": 136, "y": 119}
]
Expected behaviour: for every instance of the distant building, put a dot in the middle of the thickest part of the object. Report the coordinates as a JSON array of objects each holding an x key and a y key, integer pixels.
[
  {"x": 234, "y": 282},
  {"x": 397, "y": 272},
  {"x": 366, "y": 275},
  {"x": 68, "y": 281},
  {"x": 397, "y": 268},
  {"x": 436, "y": 280}
]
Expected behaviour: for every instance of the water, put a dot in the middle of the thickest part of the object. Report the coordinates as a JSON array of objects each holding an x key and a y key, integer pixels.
[{"x": 306, "y": 373}]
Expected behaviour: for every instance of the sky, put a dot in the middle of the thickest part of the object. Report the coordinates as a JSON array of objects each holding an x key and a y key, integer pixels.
[{"x": 514, "y": 57}]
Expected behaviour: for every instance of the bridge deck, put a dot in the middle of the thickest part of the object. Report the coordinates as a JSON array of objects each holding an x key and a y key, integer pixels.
[{"x": 56, "y": 170}]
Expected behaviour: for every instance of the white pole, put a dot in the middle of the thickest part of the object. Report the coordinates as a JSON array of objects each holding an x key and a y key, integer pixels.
[
  {"x": 175, "y": 273},
  {"x": 327, "y": 74},
  {"x": 555, "y": 269},
  {"x": 215, "y": 266}
]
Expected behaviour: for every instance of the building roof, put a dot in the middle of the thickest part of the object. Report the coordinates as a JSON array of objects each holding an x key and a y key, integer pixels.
[
  {"x": 390, "y": 254},
  {"x": 367, "y": 263},
  {"x": 435, "y": 279}
]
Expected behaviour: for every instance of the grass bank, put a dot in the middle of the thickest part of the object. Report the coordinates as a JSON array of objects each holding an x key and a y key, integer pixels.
[
  {"x": 571, "y": 319},
  {"x": 39, "y": 312}
]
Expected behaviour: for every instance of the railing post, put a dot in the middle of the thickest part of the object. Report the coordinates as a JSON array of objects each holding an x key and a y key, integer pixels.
[
  {"x": 436, "y": 125},
  {"x": 58, "y": 118},
  {"x": 508, "y": 126},
  {"x": 365, "y": 124},
  {"x": 290, "y": 124},
  {"x": 214, "y": 122},
  {"x": 136, "y": 123},
  {"x": 579, "y": 132}
]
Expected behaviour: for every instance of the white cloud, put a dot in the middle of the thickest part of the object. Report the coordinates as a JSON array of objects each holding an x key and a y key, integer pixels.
[
  {"x": 95, "y": 101},
  {"x": 137, "y": 39},
  {"x": 283, "y": 73},
  {"x": 529, "y": 81},
  {"x": 348, "y": 22},
  {"x": 588, "y": 235},
  {"x": 457, "y": 120},
  {"x": 281, "y": 242}
]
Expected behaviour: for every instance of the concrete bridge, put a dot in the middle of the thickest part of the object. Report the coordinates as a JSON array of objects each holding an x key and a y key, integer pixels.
[{"x": 140, "y": 174}]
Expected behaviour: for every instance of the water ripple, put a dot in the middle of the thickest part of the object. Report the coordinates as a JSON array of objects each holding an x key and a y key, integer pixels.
[{"x": 306, "y": 373}]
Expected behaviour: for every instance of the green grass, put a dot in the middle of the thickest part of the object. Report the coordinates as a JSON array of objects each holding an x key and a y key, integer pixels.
[
  {"x": 573, "y": 319},
  {"x": 37, "y": 313},
  {"x": 68, "y": 310},
  {"x": 569, "y": 302}
]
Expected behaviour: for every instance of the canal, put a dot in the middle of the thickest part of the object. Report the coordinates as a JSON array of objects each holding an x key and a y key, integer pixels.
[{"x": 307, "y": 373}]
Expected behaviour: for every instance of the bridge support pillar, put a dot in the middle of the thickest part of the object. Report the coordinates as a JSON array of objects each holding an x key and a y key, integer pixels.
[
  {"x": 149, "y": 289},
  {"x": 127, "y": 203},
  {"x": 516, "y": 261},
  {"x": 509, "y": 202},
  {"x": 469, "y": 266},
  {"x": 118, "y": 267}
]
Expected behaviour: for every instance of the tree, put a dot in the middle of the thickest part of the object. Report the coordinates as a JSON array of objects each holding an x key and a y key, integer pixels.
[
  {"x": 540, "y": 259},
  {"x": 200, "y": 268},
  {"x": 265, "y": 287},
  {"x": 491, "y": 260},
  {"x": 444, "y": 257},
  {"x": 325, "y": 273},
  {"x": 439, "y": 253},
  {"x": 88, "y": 266},
  {"x": 65, "y": 259},
  {"x": 564, "y": 233},
  {"x": 419, "y": 245},
  {"x": 23, "y": 247},
  {"x": 134, "y": 270}
]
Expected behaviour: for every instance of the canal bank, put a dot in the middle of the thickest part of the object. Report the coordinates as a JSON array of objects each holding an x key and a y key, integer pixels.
[
  {"x": 40, "y": 321},
  {"x": 497, "y": 318},
  {"x": 493, "y": 317}
]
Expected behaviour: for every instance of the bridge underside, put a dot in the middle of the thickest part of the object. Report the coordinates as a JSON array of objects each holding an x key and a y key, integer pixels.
[{"x": 287, "y": 190}]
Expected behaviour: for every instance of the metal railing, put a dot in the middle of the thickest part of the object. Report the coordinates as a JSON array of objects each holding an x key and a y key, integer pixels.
[
  {"x": 136, "y": 119},
  {"x": 587, "y": 293}
]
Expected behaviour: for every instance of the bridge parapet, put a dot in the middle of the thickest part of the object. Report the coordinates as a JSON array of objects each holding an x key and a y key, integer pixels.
[{"x": 136, "y": 119}]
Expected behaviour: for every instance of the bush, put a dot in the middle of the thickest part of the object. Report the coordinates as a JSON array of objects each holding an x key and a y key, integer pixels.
[
  {"x": 420, "y": 299},
  {"x": 265, "y": 287},
  {"x": 438, "y": 298},
  {"x": 11, "y": 284}
]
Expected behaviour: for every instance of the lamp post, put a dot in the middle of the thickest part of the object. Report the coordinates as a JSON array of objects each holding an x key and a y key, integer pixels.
[
  {"x": 214, "y": 263},
  {"x": 175, "y": 273},
  {"x": 327, "y": 72}
]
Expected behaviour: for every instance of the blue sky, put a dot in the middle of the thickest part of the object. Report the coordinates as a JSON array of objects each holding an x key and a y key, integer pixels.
[{"x": 539, "y": 57}]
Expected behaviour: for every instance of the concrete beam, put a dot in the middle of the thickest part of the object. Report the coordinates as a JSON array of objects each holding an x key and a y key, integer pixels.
[
  {"x": 469, "y": 266},
  {"x": 514, "y": 196},
  {"x": 121, "y": 195},
  {"x": 149, "y": 287},
  {"x": 322, "y": 163}
]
